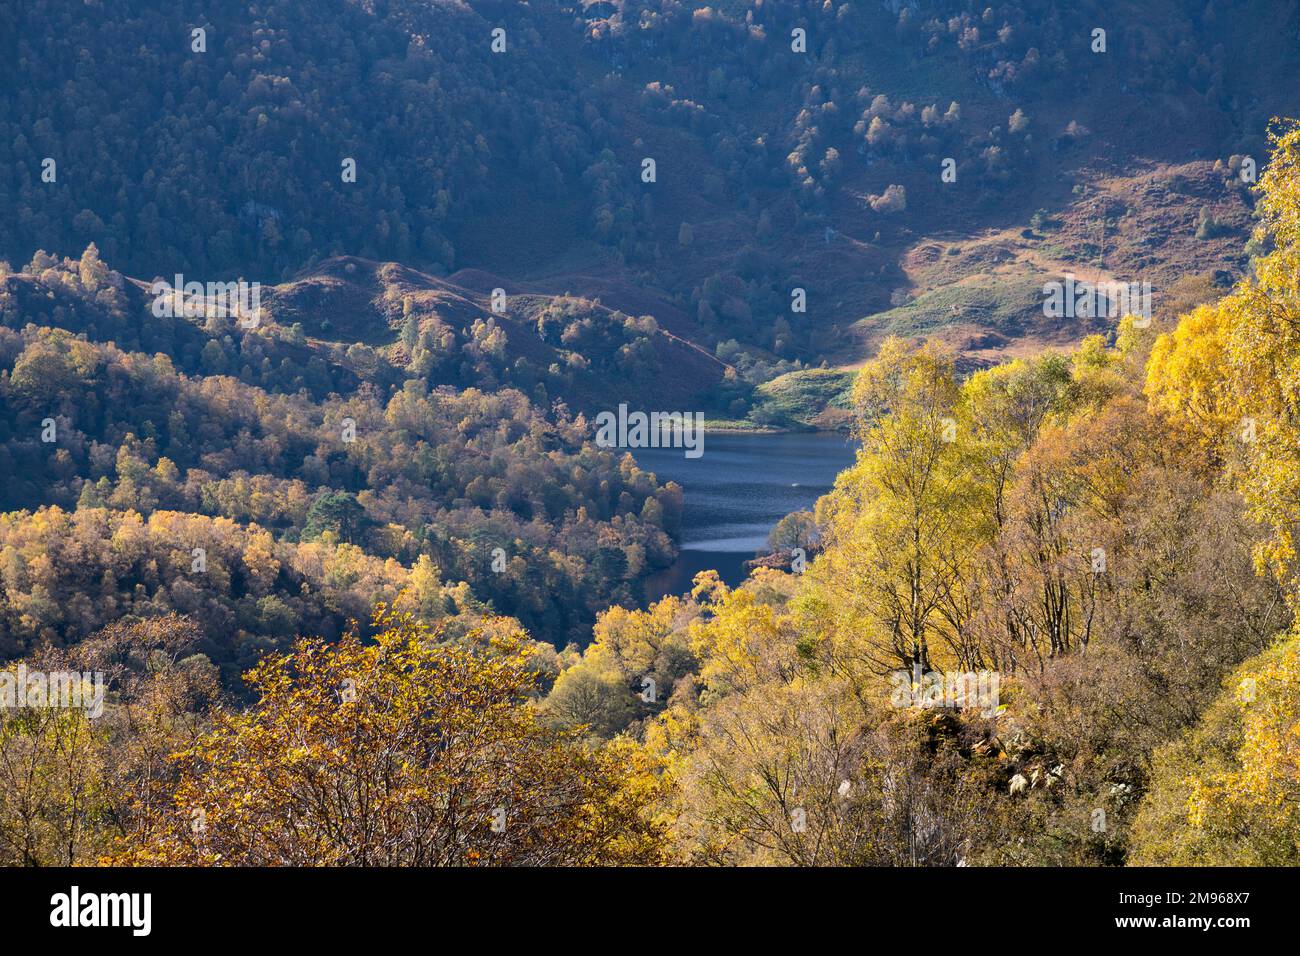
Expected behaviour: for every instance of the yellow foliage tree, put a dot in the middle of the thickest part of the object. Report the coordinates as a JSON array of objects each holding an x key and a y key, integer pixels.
[
  {"x": 902, "y": 527},
  {"x": 1240, "y": 360},
  {"x": 1228, "y": 794},
  {"x": 400, "y": 752}
]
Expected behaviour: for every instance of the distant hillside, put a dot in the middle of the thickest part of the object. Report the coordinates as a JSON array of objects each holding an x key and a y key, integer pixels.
[
  {"x": 795, "y": 145},
  {"x": 569, "y": 347}
]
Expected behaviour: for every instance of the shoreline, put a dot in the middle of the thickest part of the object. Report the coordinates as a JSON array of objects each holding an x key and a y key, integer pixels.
[{"x": 733, "y": 429}]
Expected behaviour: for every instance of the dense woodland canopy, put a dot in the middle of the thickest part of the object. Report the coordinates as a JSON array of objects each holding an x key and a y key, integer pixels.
[{"x": 364, "y": 591}]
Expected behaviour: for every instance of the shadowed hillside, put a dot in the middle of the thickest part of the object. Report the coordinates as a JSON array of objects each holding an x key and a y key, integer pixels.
[{"x": 778, "y": 163}]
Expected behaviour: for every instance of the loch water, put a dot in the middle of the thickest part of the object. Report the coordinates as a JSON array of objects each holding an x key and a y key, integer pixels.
[{"x": 736, "y": 492}]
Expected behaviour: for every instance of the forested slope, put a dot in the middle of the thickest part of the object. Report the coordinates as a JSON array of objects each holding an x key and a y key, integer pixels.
[
  {"x": 780, "y": 161},
  {"x": 131, "y": 420}
]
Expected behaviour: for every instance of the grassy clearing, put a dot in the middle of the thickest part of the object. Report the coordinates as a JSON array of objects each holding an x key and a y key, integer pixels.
[
  {"x": 811, "y": 398},
  {"x": 1001, "y": 303}
]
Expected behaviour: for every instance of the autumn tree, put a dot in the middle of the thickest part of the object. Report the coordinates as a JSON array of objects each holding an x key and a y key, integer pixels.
[
  {"x": 903, "y": 525},
  {"x": 629, "y": 670},
  {"x": 1228, "y": 792},
  {"x": 403, "y": 751},
  {"x": 73, "y": 780}
]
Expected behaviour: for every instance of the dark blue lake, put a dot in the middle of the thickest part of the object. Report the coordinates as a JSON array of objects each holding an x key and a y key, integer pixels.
[{"x": 736, "y": 492}]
